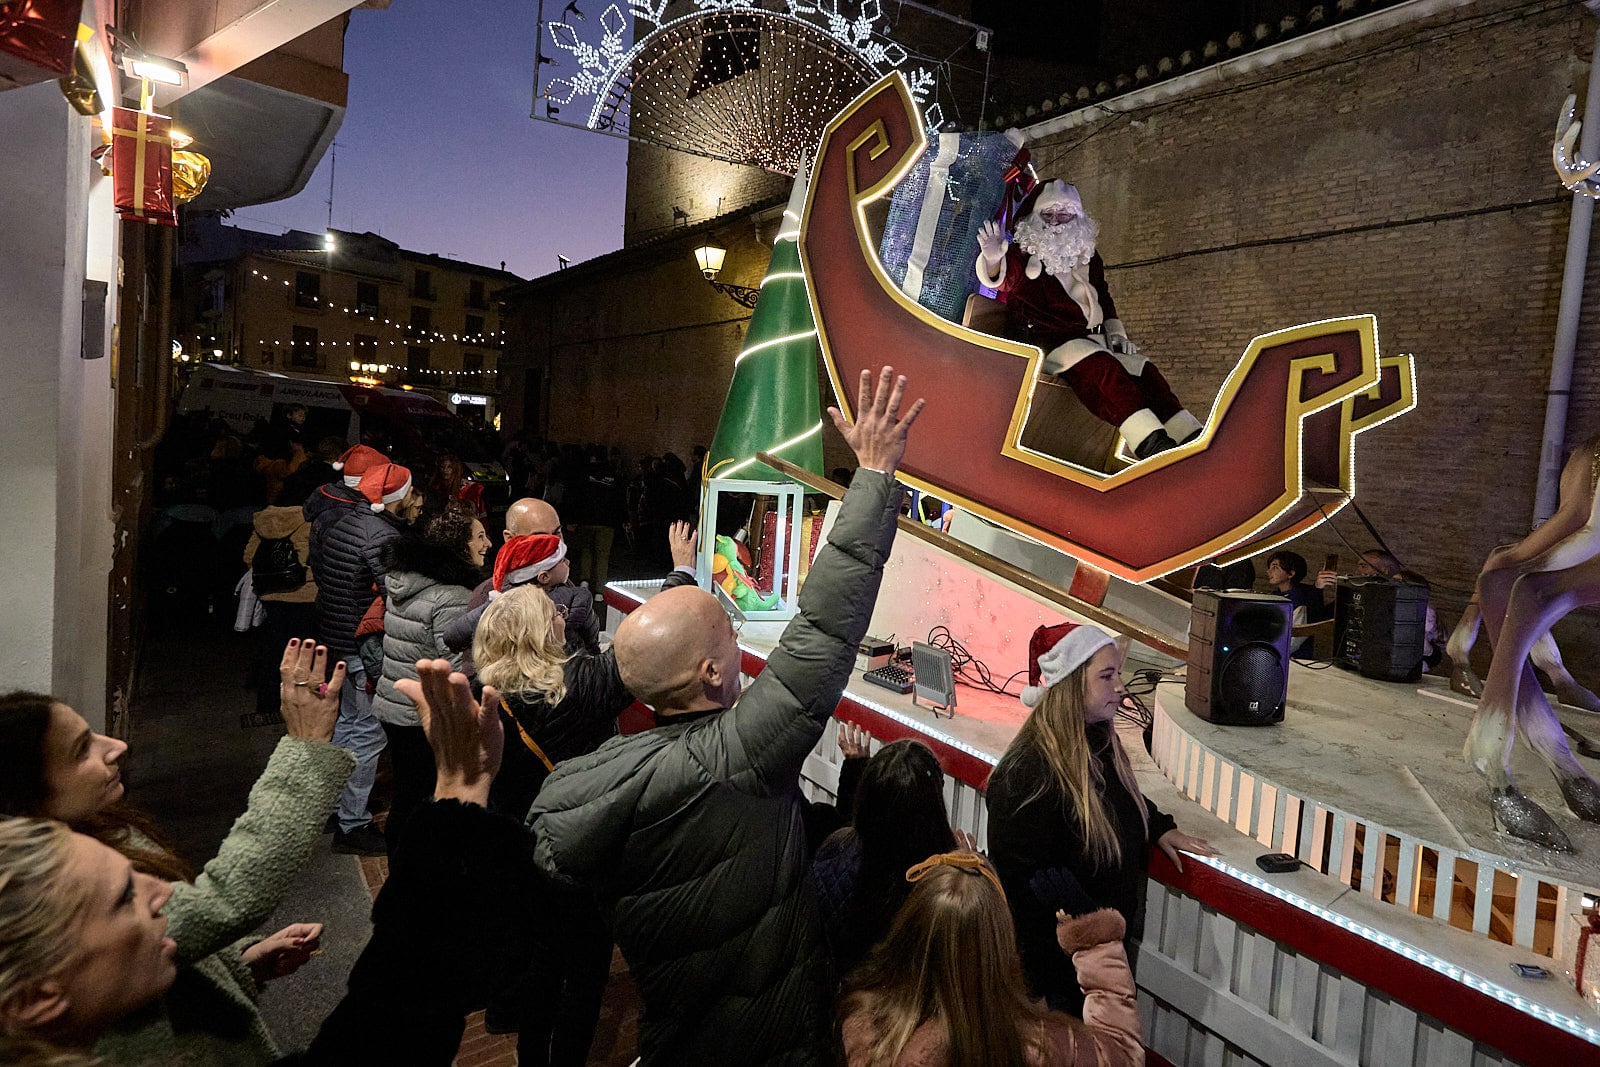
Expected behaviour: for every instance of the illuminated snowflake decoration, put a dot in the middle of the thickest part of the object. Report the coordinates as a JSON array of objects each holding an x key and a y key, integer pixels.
[{"x": 604, "y": 66}]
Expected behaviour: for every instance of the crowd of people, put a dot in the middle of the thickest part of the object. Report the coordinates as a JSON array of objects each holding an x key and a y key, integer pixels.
[{"x": 527, "y": 837}]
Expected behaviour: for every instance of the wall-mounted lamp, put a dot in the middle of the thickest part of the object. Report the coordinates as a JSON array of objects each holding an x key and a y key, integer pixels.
[
  {"x": 709, "y": 259},
  {"x": 138, "y": 63}
]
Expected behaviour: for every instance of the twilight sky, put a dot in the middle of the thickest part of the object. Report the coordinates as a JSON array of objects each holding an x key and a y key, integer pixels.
[{"x": 437, "y": 151}]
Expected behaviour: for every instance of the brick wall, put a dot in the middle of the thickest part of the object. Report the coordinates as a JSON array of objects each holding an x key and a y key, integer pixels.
[
  {"x": 635, "y": 350},
  {"x": 1407, "y": 175},
  {"x": 660, "y": 179}
]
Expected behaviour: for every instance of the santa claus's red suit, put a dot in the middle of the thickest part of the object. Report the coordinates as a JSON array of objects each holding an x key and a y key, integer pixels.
[{"x": 1054, "y": 286}]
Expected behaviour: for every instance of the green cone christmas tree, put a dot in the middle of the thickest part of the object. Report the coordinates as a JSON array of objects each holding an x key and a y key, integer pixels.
[{"x": 773, "y": 405}]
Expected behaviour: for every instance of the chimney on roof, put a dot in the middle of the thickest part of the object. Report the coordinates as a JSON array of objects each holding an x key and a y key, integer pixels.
[{"x": 502, "y": 264}]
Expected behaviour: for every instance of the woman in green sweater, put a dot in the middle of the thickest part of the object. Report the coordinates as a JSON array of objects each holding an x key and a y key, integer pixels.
[{"x": 52, "y": 765}]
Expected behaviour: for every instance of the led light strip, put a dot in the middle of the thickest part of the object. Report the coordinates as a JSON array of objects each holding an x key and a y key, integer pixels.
[
  {"x": 782, "y": 275},
  {"x": 790, "y": 443},
  {"x": 772, "y": 343},
  {"x": 920, "y": 726},
  {"x": 1569, "y": 1023}
]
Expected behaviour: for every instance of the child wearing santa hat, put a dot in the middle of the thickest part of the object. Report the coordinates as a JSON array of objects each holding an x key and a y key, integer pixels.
[{"x": 1066, "y": 817}]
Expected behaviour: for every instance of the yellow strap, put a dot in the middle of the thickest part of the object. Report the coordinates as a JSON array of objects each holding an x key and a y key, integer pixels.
[{"x": 533, "y": 746}]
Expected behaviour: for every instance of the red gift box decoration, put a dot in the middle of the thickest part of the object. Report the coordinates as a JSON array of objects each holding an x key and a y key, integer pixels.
[
  {"x": 37, "y": 39},
  {"x": 1587, "y": 932},
  {"x": 141, "y": 166}
]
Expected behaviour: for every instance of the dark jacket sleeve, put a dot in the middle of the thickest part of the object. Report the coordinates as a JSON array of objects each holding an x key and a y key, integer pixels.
[
  {"x": 675, "y": 578},
  {"x": 459, "y": 632},
  {"x": 439, "y": 945},
  {"x": 1160, "y": 821},
  {"x": 759, "y": 745},
  {"x": 849, "y": 780}
]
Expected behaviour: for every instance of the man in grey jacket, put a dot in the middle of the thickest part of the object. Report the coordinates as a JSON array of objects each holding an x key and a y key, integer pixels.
[{"x": 690, "y": 834}]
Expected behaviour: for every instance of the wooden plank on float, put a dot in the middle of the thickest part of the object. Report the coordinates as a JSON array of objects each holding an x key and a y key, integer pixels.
[
  {"x": 1527, "y": 910},
  {"x": 1216, "y": 948},
  {"x": 1400, "y": 1034},
  {"x": 1444, "y": 885},
  {"x": 1350, "y": 1015},
  {"x": 998, "y": 567},
  {"x": 1483, "y": 898},
  {"x": 1307, "y": 987},
  {"x": 1406, "y": 882},
  {"x": 1253, "y": 1031}
]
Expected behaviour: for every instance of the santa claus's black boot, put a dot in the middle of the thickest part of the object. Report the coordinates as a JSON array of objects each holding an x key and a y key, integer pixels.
[{"x": 1157, "y": 441}]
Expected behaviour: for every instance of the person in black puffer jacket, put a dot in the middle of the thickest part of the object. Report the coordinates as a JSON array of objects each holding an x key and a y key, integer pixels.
[
  {"x": 328, "y": 503},
  {"x": 348, "y": 561},
  {"x": 691, "y": 835}
]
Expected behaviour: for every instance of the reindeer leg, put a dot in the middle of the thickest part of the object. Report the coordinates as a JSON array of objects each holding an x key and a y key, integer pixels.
[
  {"x": 1537, "y": 602},
  {"x": 1488, "y": 751},
  {"x": 1459, "y": 649},
  {"x": 1512, "y": 698},
  {"x": 1546, "y": 655}
]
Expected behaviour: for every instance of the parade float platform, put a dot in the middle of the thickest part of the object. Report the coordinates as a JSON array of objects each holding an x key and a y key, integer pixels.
[{"x": 1393, "y": 945}]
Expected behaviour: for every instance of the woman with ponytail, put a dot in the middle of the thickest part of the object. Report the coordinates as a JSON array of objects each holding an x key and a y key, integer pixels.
[{"x": 1063, "y": 799}]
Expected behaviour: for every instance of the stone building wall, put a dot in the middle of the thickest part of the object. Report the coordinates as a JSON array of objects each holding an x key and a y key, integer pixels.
[{"x": 1405, "y": 174}]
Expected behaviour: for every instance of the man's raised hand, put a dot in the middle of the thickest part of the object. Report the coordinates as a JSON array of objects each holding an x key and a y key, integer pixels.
[
  {"x": 466, "y": 737},
  {"x": 878, "y": 436}
]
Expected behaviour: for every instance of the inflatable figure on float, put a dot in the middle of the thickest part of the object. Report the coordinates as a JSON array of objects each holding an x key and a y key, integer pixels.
[
  {"x": 728, "y": 571},
  {"x": 1053, "y": 283},
  {"x": 1523, "y": 590}
]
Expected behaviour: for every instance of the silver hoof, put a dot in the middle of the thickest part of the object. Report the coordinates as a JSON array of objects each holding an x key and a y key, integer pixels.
[
  {"x": 1582, "y": 794},
  {"x": 1463, "y": 681},
  {"x": 1520, "y": 817}
]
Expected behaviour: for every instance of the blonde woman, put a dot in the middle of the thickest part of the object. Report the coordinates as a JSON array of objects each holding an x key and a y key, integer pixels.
[
  {"x": 943, "y": 987},
  {"x": 555, "y": 708},
  {"x": 1064, "y": 805}
]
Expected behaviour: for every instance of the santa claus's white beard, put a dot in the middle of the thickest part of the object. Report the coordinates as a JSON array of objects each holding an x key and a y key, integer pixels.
[{"x": 1059, "y": 248}]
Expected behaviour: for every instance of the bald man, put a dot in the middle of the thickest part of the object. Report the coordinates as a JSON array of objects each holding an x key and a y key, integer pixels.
[
  {"x": 530, "y": 515},
  {"x": 690, "y": 834}
]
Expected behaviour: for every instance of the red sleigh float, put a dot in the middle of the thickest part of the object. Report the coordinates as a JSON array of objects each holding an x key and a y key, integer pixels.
[{"x": 1276, "y": 457}]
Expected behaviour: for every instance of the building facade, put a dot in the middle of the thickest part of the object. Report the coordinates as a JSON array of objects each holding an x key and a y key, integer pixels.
[{"x": 341, "y": 307}]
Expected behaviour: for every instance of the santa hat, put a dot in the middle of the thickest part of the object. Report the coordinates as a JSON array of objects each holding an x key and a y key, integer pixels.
[
  {"x": 1065, "y": 655},
  {"x": 355, "y": 462},
  {"x": 1031, "y": 201},
  {"x": 524, "y": 558},
  {"x": 384, "y": 484}
]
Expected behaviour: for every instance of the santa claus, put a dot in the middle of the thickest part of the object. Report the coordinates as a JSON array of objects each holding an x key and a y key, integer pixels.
[{"x": 1054, "y": 286}]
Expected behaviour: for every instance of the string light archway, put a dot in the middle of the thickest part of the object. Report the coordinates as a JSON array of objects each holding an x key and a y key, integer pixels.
[{"x": 744, "y": 81}]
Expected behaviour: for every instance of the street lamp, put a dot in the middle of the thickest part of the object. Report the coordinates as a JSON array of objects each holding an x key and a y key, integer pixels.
[{"x": 709, "y": 258}]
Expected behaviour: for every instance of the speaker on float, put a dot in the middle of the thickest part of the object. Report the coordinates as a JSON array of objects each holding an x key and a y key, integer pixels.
[
  {"x": 1238, "y": 658},
  {"x": 1380, "y": 627}
]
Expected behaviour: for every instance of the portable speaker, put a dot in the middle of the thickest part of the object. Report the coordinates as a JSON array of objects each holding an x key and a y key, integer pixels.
[
  {"x": 1238, "y": 658},
  {"x": 1379, "y": 628}
]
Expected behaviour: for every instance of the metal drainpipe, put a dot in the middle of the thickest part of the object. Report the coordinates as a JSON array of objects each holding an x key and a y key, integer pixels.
[{"x": 1552, "y": 450}]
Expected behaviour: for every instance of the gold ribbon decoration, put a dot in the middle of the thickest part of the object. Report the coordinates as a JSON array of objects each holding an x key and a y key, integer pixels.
[{"x": 190, "y": 172}]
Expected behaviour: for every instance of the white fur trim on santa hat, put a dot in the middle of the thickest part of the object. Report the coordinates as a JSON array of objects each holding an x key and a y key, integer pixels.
[
  {"x": 352, "y": 480},
  {"x": 390, "y": 498},
  {"x": 524, "y": 575},
  {"x": 1066, "y": 656}
]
